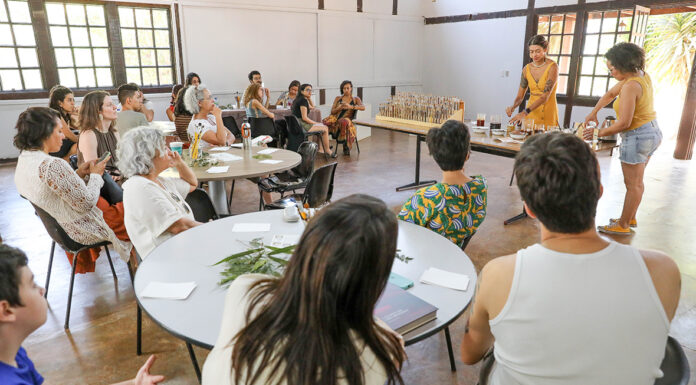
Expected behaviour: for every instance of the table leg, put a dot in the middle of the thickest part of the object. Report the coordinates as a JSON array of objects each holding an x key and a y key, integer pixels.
[
  {"x": 219, "y": 196},
  {"x": 449, "y": 349},
  {"x": 516, "y": 217},
  {"x": 417, "y": 183},
  {"x": 194, "y": 361}
]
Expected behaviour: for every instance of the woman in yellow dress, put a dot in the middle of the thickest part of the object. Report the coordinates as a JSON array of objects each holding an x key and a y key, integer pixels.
[{"x": 540, "y": 77}]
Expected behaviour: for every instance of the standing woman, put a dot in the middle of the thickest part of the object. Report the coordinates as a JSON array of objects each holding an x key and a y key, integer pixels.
[
  {"x": 97, "y": 132},
  {"x": 300, "y": 109},
  {"x": 540, "y": 76},
  {"x": 340, "y": 121},
  {"x": 640, "y": 134},
  {"x": 62, "y": 100}
]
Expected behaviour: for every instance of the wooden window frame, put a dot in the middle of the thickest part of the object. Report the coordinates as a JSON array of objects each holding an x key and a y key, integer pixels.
[
  {"x": 47, "y": 59},
  {"x": 15, "y": 47},
  {"x": 562, "y": 34}
]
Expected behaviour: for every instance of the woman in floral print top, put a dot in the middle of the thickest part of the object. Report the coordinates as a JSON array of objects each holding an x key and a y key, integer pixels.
[{"x": 456, "y": 207}]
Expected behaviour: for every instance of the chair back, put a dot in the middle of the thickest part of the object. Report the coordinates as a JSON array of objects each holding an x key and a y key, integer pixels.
[
  {"x": 201, "y": 205},
  {"x": 231, "y": 125},
  {"x": 55, "y": 231},
  {"x": 296, "y": 134},
  {"x": 264, "y": 126},
  {"x": 73, "y": 161},
  {"x": 674, "y": 365},
  {"x": 308, "y": 152},
  {"x": 466, "y": 240},
  {"x": 181, "y": 122},
  {"x": 320, "y": 186}
]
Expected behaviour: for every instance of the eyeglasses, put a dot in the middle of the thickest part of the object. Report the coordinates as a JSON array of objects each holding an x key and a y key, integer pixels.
[{"x": 177, "y": 200}]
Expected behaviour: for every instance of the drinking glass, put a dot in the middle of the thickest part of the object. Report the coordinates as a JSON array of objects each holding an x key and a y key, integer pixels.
[
  {"x": 495, "y": 122},
  {"x": 480, "y": 119},
  {"x": 528, "y": 126}
]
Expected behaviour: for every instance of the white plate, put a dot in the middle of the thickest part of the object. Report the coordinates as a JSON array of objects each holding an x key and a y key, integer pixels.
[
  {"x": 517, "y": 137},
  {"x": 480, "y": 130},
  {"x": 500, "y": 132}
]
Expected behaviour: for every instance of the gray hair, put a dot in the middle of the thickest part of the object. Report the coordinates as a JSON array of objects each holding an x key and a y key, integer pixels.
[
  {"x": 137, "y": 148},
  {"x": 192, "y": 96}
]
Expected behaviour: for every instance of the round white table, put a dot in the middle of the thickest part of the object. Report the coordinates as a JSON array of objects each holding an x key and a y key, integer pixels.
[{"x": 189, "y": 256}]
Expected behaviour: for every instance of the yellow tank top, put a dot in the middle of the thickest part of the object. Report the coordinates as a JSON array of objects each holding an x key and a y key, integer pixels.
[
  {"x": 547, "y": 113},
  {"x": 644, "y": 111}
]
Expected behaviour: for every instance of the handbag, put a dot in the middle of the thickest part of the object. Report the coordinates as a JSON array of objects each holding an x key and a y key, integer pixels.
[{"x": 111, "y": 191}]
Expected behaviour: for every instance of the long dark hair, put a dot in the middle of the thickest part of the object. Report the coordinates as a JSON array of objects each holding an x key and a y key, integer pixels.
[
  {"x": 299, "y": 98},
  {"x": 539, "y": 40},
  {"x": 189, "y": 78},
  {"x": 90, "y": 109},
  {"x": 179, "y": 107},
  {"x": 57, "y": 95},
  {"x": 343, "y": 84},
  {"x": 328, "y": 293}
]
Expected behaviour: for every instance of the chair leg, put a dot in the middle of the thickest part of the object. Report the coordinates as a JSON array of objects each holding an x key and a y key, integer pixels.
[
  {"x": 139, "y": 331},
  {"x": 111, "y": 264},
  {"x": 50, "y": 265},
  {"x": 357, "y": 145},
  {"x": 72, "y": 282},
  {"x": 449, "y": 349},
  {"x": 512, "y": 177},
  {"x": 192, "y": 354},
  {"x": 229, "y": 199},
  {"x": 260, "y": 201}
]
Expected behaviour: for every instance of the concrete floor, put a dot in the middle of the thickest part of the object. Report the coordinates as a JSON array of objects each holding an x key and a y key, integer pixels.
[{"x": 100, "y": 346}]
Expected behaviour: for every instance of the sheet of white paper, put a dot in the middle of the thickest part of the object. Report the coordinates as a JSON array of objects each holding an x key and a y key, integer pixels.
[
  {"x": 250, "y": 227},
  {"x": 271, "y": 161},
  {"x": 268, "y": 151},
  {"x": 168, "y": 290},
  {"x": 225, "y": 157},
  {"x": 284, "y": 240},
  {"x": 224, "y": 148},
  {"x": 218, "y": 169},
  {"x": 433, "y": 276},
  {"x": 237, "y": 145}
]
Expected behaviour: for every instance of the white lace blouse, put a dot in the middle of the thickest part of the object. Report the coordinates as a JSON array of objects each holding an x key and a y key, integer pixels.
[{"x": 53, "y": 185}]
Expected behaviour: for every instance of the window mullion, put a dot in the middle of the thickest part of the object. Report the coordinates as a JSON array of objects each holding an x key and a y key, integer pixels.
[
  {"x": 573, "y": 71},
  {"x": 154, "y": 47},
  {"x": 118, "y": 62},
  {"x": 46, "y": 56}
]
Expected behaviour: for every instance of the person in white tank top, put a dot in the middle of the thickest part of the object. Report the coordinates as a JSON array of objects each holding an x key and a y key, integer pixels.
[{"x": 574, "y": 308}]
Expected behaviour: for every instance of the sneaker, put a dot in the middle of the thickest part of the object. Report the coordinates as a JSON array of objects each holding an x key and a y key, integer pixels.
[
  {"x": 614, "y": 228},
  {"x": 632, "y": 223}
]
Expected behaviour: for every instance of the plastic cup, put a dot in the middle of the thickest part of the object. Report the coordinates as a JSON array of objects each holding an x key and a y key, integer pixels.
[{"x": 178, "y": 147}]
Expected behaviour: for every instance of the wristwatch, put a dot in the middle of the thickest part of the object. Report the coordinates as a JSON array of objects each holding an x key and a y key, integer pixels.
[{"x": 527, "y": 110}]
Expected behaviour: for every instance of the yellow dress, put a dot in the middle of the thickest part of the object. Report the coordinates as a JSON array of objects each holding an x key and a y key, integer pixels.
[{"x": 547, "y": 113}]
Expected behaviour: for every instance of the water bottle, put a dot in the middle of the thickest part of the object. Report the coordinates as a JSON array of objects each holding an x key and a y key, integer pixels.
[{"x": 246, "y": 135}]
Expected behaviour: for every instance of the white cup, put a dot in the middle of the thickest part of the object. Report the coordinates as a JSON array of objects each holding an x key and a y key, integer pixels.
[{"x": 177, "y": 146}]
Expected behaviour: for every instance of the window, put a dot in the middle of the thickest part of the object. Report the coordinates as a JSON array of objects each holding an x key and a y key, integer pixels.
[
  {"x": 81, "y": 46},
  {"x": 19, "y": 63},
  {"x": 559, "y": 30},
  {"x": 147, "y": 49},
  {"x": 603, "y": 30}
]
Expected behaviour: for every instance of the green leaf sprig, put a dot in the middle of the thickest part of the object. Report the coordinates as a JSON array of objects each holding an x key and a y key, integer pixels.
[{"x": 258, "y": 258}]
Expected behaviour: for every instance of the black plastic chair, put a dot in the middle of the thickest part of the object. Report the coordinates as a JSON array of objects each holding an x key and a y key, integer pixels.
[
  {"x": 201, "y": 205},
  {"x": 59, "y": 236},
  {"x": 291, "y": 180},
  {"x": 297, "y": 135},
  {"x": 231, "y": 125},
  {"x": 264, "y": 126},
  {"x": 318, "y": 191},
  {"x": 357, "y": 145},
  {"x": 467, "y": 240}
]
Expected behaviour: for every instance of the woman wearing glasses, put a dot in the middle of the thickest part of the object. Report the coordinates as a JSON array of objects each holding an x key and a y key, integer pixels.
[
  {"x": 300, "y": 108},
  {"x": 154, "y": 206}
]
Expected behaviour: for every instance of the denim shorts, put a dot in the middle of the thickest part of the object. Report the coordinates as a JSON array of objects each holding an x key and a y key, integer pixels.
[{"x": 638, "y": 145}]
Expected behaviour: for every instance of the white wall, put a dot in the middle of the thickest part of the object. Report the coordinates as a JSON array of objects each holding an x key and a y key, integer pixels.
[
  {"x": 551, "y": 3},
  {"x": 462, "y": 7},
  {"x": 470, "y": 60}
]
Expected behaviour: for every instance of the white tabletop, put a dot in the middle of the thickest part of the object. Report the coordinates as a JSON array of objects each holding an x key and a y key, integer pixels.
[
  {"x": 165, "y": 126},
  {"x": 188, "y": 256}
]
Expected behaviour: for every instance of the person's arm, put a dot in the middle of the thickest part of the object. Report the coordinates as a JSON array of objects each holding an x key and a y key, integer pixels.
[
  {"x": 149, "y": 114},
  {"x": 185, "y": 172},
  {"x": 267, "y": 92},
  {"x": 358, "y": 104},
  {"x": 67, "y": 184},
  {"x": 88, "y": 145},
  {"x": 336, "y": 108},
  {"x": 182, "y": 224},
  {"x": 665, "y": 277},
  {"x": 410, "y": 211},
  {"x": 604, "y": 101},
  {"x": 524, "y": 84},
  {"x": 281, "y": 98},
  {"x": 170, "y": 114},
  {"x": 548, "y": 87},
  {"x": 65, "y": 128},
  {"x": 144, "y": 377},
  {"x": 305, "y": 117},
  {"x": 492, "y": 289},
  {"x": 219, "y": 137},
  {"x": 311, "y": 103},
  {"x": 258, "y": 105},
  {"x": 630, "y": 93}
]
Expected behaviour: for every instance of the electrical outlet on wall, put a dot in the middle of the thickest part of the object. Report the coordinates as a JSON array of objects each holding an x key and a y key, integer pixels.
[{"x": 505, "y": 73}]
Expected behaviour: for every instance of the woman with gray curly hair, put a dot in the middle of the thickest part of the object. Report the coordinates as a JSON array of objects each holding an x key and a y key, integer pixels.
[
  {"x": 154, "y": 206},
  {"x": 207, "y": 118}
]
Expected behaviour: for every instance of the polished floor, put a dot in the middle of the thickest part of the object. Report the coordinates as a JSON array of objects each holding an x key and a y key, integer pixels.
[{"x": 100, "y": 346}]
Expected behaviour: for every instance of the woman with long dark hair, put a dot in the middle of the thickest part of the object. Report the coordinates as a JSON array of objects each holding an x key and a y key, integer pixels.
[
  {"x": 300, "y": 109},
  {"x": 340, "y": 122},
  {"x": 62, "y": 100},
  {"x": 540, "y": 76},
  {"x": 315, "y": 324}
]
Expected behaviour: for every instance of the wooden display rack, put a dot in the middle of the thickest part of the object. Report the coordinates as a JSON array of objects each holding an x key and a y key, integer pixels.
[{"x": 458, "y": 115}]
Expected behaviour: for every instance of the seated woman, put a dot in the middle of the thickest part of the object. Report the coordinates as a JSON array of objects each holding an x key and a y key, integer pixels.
[
  {"x": 182, "y": 117},
  {"x": 253, "y": 97},
  {"x": 455, "y": 207},
  {"x": 300, "y": 109},
  {"x": 62, "y": 100},
  {"x": 97, "y": 132},
  {"x": 207, "y": 118},
  {"x": 51, "y": 184},
  {"x": 287, "y": 97},
  {"x": 154, "y": 205},
  {"x": 315, "y": 324},
  {"x": 340, "y": 121},
  {"x": 172, "y": 102}
]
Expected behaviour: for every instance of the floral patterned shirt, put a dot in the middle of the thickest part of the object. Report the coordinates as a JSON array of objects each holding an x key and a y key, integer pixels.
[{"x": 454, "y": 211}]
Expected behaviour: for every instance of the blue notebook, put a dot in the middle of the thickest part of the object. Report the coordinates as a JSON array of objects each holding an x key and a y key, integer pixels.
[{"x": 400, "y": 281}]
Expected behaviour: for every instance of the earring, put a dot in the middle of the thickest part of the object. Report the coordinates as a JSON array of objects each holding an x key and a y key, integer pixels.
[{"x": 101, "y": 117}]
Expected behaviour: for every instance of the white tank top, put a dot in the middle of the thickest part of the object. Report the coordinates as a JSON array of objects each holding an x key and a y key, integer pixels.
[{"x": 580, "y": 319}]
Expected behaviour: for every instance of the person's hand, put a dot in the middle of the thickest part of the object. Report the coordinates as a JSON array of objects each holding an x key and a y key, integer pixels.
[
  {"x": 144, "y": 377},
  {"x": 271, "y": 115},
  {"x": 98, "y": 167},
  {"x": 267, "y": 91},
  {"x": 592, "y": 117},
  {"x": 216, "y": 111},
  {"x": 175, "y": 159},
  {"x": 588, "y": 132},
  {"x": 518, "y": 118},
  {"x": 83, "y": 169},
  {"x": 509, "y": 110}
]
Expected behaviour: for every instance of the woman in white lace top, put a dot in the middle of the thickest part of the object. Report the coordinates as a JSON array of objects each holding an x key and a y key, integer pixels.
[{"x": 50, "y": 183}]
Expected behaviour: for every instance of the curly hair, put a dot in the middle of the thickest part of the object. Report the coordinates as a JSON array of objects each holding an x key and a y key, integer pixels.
[
  {"x": 193, "y": 95},
  {"x": 136, "y": 150},
  {"x": 34, "y": 126},
  {"x": 626, "y": 57},
  {"x": 57, "y": 95}
]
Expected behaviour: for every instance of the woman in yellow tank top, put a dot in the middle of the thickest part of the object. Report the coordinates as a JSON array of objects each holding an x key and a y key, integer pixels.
[
  {"x": 635, "y": 121},
  {"x": 540, "y": 77}
]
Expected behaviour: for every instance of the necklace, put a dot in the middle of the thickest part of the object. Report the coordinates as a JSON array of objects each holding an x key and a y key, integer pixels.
[{"x": 540, "y": 65}]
